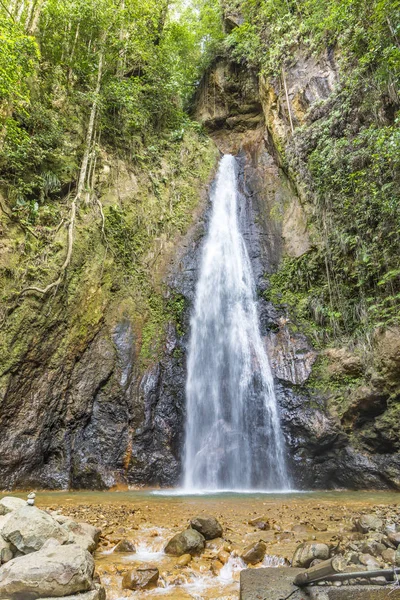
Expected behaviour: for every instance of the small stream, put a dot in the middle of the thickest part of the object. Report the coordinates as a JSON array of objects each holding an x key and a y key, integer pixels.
[{"x": 150, "y": 518}]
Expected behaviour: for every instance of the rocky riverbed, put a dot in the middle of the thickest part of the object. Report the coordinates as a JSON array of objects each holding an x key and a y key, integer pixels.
[{"x": 257, "y": 530}]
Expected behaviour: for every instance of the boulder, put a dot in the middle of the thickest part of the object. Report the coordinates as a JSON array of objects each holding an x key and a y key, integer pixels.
[
  {"x": 369, "y": 523},
  {"x": 83, "y": 534},
  {"x": 389, "y": 556},
  {"x": 209, "y": 527},
  {"x": 94, "y": 532},
  {"x": 3, "y": 521},
  {"x": 5, "y": 551},
  {"x": 142, "y": 578},
  {"x": 61, "y": 519},
  {"x": 53, "y": 571},
  {"x": 184, "y": 560},
  {"x": 307, "y": 552},
  {"x": 28, "y": 528},
  {"x": 369, "y": 561},
  {"x": 9, "y": 504},
  {"x": 125, "y": 546},
  {"x": 397, "y": 557},
  {"x": 188, "y": 542},
  {"x": 254, "y": 553}
]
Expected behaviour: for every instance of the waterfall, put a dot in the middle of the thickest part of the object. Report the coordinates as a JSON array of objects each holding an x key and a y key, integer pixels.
[{"x": 233, "y": 435}]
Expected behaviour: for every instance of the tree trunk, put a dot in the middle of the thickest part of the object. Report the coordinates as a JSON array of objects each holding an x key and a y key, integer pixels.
[
  {"x": 71, "y": 56},
  {"x": 89, "y": 135},
  {"x": 30, "y": 10},
  {"x": 122, "y": 33},
  {"x": 20, "y": 11},
  {"x": 323, "y": 569},
  {"x": 35, "y": 17}
]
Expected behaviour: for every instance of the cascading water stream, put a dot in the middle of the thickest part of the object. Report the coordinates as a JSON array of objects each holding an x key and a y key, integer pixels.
[{"x": 233, "y": 434}]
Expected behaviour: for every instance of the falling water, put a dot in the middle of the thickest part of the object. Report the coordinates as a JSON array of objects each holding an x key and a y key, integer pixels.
[{"x": 233, "y": 435}]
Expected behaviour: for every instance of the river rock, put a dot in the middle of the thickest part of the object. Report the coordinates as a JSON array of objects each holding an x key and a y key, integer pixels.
[
  {"x": 9, "y": 504},
  {"x": 52, "y": 571},
  {"x": 189, "y": 541},
  {"x": 223, "y": 556},
  {"x": 306, "y": 553},
  {"x": 209, "y": 527},
  {"x": 373, "y": 547},
  {"x": 389, "y": 556},
  {"x": 142, "y": 578},
  {"x": 394, "y": 537},
  {"x": 28, "y": 528},
  {"x": 254, "y": 554},
  {"x": 369, "y": 561},
  {"x": 216, "y": 566},
  {"x": 369, "y": 523},
  {"x": 397, "y": 557},
  {"x": 125, "y": 546},
  {"x": 184, "y": 560}
]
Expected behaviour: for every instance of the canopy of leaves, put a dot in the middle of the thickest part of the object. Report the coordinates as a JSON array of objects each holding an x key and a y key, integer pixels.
[{"x": 153, "y": 53}]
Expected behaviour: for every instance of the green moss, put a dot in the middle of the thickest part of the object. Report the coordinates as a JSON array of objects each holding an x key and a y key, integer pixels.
[{"x": 126, "y": 267}]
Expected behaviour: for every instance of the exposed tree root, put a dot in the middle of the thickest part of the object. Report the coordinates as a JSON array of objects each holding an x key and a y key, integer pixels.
[{"x": 57, "y": 282}]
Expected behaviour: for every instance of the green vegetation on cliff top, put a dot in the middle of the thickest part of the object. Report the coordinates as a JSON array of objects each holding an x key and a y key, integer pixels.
[
  {"x": 100, "y": 166},
  {"x": 346, "y": 155}
]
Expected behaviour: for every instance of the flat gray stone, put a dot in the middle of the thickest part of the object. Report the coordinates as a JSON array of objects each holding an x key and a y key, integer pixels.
[
  {"x": 28, "y": 528},
  {"x": 277, "y": 584},
  {"x": 269, "y": 584},
  {"x": 98, "y": 594},
  {"x": 354, "y": 592}
]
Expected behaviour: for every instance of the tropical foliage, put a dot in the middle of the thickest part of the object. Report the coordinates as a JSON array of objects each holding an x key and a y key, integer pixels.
[{"x": 348, "y": 153}]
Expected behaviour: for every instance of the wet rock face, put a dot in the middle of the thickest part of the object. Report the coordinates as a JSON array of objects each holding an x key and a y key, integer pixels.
[
  {"x": 291, "y": 357},
  {"x": 209, "y": 527},
  {"x": 144, "y": 578},
  {"x": 254, "y": 554},
  {"x": 228, "y": 101},
  {"x": 94, "y": 419},
  {"x": 307, "y": 553},
  {"x": 188, "y": 542}
]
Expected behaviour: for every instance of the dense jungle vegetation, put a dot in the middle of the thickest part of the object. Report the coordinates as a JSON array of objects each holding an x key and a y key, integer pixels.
[
  {"x": 91, "y": 92},
  {"x": 129, "y": 67},
  {"x": 347, "y": 152}
]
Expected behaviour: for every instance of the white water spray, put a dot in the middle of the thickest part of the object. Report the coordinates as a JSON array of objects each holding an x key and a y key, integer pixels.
[{"x": 233, "y": 434}]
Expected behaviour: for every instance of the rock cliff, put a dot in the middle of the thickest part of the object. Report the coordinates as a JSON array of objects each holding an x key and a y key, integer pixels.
[
  {"x": 338, "y": 405},
  {"x": 92, "y": 380}
]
